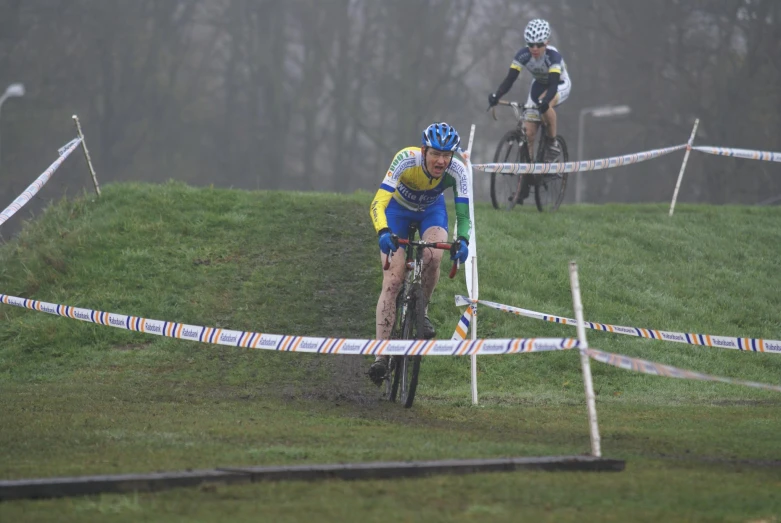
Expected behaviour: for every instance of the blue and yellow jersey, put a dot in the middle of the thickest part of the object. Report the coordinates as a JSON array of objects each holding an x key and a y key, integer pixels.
[
  {"x": 406, "y": 183},
  {"x": 551, "y": 61}
]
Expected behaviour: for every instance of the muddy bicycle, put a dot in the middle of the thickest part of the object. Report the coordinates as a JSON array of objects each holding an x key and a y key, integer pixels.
[
  {"x": 401, "y": 379},
  {"x": 508, "y": 189}
]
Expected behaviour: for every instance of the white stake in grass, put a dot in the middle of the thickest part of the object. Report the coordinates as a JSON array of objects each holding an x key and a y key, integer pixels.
[
  {"x": 470, "y": 267},
  {"x": 683, "y": 165},
  {"x": 86, "y": 154},
  {"x": 585, "y": 363}
]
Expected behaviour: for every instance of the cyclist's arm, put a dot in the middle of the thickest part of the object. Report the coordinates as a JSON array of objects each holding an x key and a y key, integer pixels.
[
  {"x": 554, "y": 75},
  {"x": 403, "y": 160},
  {"x": 520, "y": 59},
  {"x": 460, "y": 183},
  {"x": 463, "y": 222},
  {"x": 508, "y": 82},
  {"x": 377, "y": 209},
  {"x": 553, "y": 87}
]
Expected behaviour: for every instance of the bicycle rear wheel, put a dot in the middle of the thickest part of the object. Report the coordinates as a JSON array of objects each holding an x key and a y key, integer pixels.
[
  {"x": 505, "y": 188},
  {"x": 549, "y": 188},
  {"x": 406, "y": 369}
]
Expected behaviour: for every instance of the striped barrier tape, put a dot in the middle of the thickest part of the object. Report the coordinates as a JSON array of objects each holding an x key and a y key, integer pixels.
[
  {"x": 279, "y": 342},
  {"x": 572, "y": 167},
  {"x": 706, "y": 340},
  {"x": 657, "y": 369},
  {"x": 463, "y": 325},
  {"x": 39, "y": 182},
  {"x": 748, "y": 154}
]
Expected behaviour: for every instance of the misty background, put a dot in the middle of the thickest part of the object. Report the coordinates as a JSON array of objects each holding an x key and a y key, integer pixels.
[{"x": 319, "y": 94}]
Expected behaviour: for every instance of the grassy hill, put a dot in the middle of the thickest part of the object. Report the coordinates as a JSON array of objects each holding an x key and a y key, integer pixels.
[{"x": 82, "y": 398}]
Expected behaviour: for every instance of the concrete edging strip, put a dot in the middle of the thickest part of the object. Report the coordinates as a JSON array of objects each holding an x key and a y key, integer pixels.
[{"x": 124, "y": 483}]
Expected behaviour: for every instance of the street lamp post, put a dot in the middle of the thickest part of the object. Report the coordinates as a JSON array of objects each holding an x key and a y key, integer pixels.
[
  {"x": 10, "y": 92},
  {"x": 603, "y": 111}
]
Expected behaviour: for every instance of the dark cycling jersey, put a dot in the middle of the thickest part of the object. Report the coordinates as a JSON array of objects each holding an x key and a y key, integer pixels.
[{"x": 550, "y": 62}]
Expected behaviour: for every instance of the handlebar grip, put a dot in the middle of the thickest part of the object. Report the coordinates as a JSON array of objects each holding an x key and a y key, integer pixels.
[
  {"x": 453, "y": 270},
  {"x": 387, "y": 263}
]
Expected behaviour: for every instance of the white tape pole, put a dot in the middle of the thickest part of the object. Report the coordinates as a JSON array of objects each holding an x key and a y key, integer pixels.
[
  {"x": 585, "y": 363},
  {"x": 86, "y": 154},
  {"x": 471, "y": 262},
  {"x": 473, "y": 324},
  {"x": 683, "y": 166}
]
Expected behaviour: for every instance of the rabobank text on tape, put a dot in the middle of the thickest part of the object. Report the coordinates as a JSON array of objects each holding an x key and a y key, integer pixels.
[
  {"x": 705, "y": 340},
  {"x": 279, "y": 342},
  {"x": 572, "y": 167},
  {"x": 658, "y": 369}
]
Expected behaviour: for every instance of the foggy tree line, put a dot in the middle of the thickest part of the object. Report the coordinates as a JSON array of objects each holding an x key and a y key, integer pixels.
[{"x": 319, "y": 94}]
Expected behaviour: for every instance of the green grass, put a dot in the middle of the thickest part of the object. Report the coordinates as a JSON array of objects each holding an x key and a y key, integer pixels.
[{"x": 81, "y": 399}]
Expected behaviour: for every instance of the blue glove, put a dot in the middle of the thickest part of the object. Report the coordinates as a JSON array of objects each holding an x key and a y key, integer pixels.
[
  {"x": 543, "y": 107},
  {"x": 460, "y": 250},
  {"x": 492, "y": 99},
  {"x": 386, "y": 242}
]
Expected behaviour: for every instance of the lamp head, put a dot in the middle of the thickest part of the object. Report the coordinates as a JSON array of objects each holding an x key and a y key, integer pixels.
[{"x": 15, "y": 90}]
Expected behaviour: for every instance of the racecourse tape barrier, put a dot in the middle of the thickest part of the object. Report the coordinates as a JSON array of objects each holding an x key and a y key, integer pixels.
[
  {"x": 463, "y": 325},
  {"x": 658, "y": 369},
  {"x": 748, "y": 154},
  {"x": 573, "y": 167},
  {"x": 705, "y": 340},
  {"x": 279, "y": 342},
  {"x": 39, "y": 182}
]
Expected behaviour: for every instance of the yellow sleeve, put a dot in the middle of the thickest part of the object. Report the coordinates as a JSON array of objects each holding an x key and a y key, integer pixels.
[
  {"x": 377, "y": 209},
  {"x": 401, "y": 162}
]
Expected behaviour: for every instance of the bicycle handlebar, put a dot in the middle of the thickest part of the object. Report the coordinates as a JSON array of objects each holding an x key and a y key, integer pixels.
[
  {"x": 515, "y": 105},
  {"x": 432, "y": 245}
]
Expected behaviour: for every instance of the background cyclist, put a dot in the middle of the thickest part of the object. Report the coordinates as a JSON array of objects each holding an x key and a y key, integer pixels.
[
  {"x": 412, "y": 192},
  {"x": 551, "y": 85}
]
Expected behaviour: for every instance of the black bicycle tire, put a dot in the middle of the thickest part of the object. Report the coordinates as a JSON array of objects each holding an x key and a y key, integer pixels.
[
  {"x": 396, "y": 333},
  {"x": 564, "y": 176},
  {"x": 523, "y": 182},
  {"x": 509, "y": 137},
  {"x": 539, "y": 178},
  {"x": 410, "y": 365}
]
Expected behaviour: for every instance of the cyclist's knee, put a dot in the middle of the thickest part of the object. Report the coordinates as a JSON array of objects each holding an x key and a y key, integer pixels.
[
  {"x": 431, "y": 258},
  {"x": 435, "y": 234}
]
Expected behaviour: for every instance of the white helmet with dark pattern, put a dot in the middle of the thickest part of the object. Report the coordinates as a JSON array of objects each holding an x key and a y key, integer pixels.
[{"x": 537, "y": 31}]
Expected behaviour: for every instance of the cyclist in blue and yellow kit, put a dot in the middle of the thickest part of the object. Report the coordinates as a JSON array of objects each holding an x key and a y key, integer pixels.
[{"x": 412, "y": 192}]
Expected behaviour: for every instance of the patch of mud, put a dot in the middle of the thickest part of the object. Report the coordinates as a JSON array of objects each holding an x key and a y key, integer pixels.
[{"x": 340, "y": 379}]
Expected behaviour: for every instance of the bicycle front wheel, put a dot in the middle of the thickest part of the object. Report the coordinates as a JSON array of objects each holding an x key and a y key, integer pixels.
[
  {"x": 549, "y": 188},
  {"x": 407, "y": 368},
  {"x": 505, "y": 188}
]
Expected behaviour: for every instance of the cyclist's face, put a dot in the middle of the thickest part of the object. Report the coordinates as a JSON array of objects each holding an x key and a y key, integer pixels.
[
  {"x": 537, "y": 49},
  {"x": 437, "y": 161}
]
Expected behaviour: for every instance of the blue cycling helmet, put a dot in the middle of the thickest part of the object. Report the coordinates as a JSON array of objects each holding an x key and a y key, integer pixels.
[{"x": 442, "y": 137}]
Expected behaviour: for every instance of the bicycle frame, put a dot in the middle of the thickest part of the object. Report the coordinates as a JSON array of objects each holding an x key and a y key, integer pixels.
[
  {"x": 402, "y": 376},
  {"x": 525, "y": 113}
]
